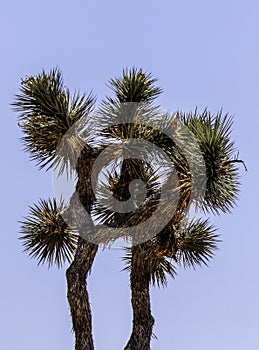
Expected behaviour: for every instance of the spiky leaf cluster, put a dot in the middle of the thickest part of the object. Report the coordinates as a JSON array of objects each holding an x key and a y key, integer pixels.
[
  {"x": 46, "y": 236},
  {"x": 134, "y": 86},
  {"x": 196, "y": 243},
  {"x": 191, "y": 244},
  {"x": 213, "y": 136},
  {"x": 159, "y": 266},
  {"x": 204, "y": 141},
  {"x": 47, "y": 111}
]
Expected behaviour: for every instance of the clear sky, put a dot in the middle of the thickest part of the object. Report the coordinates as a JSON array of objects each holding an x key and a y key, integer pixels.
[{"x": 204, "y": 53}]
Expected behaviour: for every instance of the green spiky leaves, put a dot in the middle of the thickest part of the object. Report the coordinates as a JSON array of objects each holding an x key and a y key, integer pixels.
[
  {"x": 134, "y": 86},
  {"x": 195, "y": 144},
  {"x": 46, "y": 236},
  {"x": 159, "y": 266},
  {"x": 192, "y": 244},
  {"x": 47, "y": 111},
  {"x": 196, "y": 243},
  {"x": 213, "y": 136}
]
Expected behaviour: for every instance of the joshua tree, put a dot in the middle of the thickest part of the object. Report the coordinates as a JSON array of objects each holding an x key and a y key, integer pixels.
[
  {"x": 181, "y": 241},
  {"x": 47, "y": 111},
  {"x": 205, "y": 177}
]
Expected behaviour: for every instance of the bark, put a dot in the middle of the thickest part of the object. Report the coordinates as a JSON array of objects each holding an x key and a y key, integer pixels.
[
  {"x": 78, "y": 296},
  {"x": 140, "y": 270},
  {"x": 143, "y": 320},
  {"x": 77, "y": 272}
]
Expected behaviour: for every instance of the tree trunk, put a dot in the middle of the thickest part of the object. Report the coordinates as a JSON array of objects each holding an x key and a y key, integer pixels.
[
  {"x": 140, "y": 271},
  {"x": 143, "y": 320},
  {"x": 78, "y": 296}
]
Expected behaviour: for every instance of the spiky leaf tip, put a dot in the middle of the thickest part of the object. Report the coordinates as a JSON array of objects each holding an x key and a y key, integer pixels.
[
  {"x": 196, "y": 242},
  {"x": 47, "y": 110},
  {"x": 46, "y": 236},
  {"x": 135, "y": 85},
  {"x": 213, "y": 134},
  {"x": 159, "y": 267}
]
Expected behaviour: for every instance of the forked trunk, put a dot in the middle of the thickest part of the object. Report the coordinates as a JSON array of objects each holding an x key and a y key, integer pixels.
[{"x": 143, "y": 320}]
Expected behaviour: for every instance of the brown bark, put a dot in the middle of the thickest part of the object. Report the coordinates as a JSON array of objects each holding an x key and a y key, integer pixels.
[
  {"x": 78, "y": 296},
  {"x": 77, "y": 272},
  {"x": 143, "y": 320},
  {"x": 140, "y": 270}
]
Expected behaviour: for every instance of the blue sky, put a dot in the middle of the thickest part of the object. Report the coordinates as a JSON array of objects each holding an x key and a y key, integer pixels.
[{"x": 205, "y": 54}]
